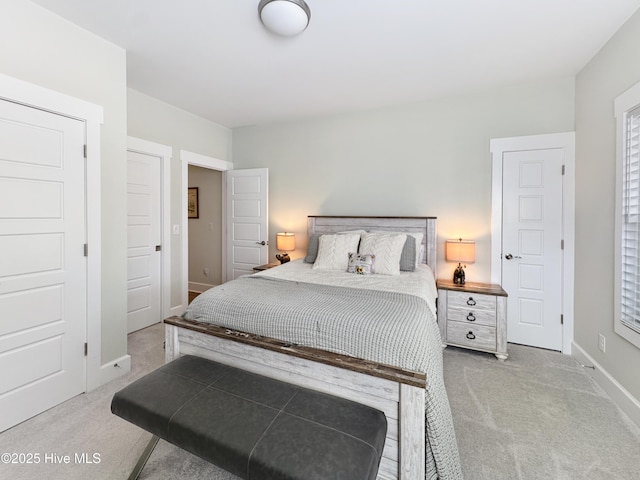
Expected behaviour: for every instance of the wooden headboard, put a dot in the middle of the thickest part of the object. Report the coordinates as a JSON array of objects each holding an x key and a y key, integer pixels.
[{"x": 427, "y": 225}]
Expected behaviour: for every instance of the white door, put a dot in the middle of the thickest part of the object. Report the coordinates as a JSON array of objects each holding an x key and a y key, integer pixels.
[
  {"x": 43, "y": 268},
  {"x": 247, "y": 224},
  {"x": 144, "y": 236},
  {"x": 532, "y": 246}
]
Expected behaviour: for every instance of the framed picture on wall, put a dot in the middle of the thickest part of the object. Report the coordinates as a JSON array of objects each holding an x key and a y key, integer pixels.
[{"x": 192, "y": 203}]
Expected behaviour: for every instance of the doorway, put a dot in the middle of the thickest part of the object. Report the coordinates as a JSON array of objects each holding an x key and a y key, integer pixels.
[
  {"x": 237, "y": 233},
  {"x": 532, "y": 236},
  {"x": 190, "y": 159},
  {"x": 204, "y": 229},
  {"x": 148, "y": 235}
]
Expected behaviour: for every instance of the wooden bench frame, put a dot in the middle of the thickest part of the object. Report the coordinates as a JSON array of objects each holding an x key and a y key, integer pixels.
[{"x": 402, "y": 400}]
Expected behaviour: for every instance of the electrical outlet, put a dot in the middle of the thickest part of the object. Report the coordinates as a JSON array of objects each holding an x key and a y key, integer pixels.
[
  {"x": 206, "y": 272},
  {"x": 602, "y": 343}
]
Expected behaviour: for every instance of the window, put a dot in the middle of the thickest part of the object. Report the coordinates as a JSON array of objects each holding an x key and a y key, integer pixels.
[{"x": 627, "y": 315}]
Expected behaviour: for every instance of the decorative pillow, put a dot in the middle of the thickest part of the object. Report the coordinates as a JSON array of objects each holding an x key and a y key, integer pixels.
[
  {"x": 333, "y": 251},
  {"x": 312, "y": 247},
  {"x": 411, "y": 254},
  {"x": 361, "y": 263},
  {"x": 387, "y": 248}
]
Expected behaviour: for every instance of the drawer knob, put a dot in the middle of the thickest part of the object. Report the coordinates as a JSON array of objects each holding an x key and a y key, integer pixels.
[
  {"x": 471, "y": 301},
  {"x": 470, "y": 335},
  {"x": 471, "y": 317}
]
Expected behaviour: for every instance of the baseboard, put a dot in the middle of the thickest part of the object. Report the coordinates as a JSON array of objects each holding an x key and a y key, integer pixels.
[
  {"x": 627, "y": 402},
  {"x": 114, "y": 369},
  {"x": 176, "y": 311},
  {"x": 200, "y": 287}
]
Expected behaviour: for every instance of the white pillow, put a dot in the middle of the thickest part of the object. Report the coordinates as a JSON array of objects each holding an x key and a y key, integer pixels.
[
  {"x": 333, "y": 251},
  {"x": 418, "y": 239},
  {"x": 387, "y": 247}
]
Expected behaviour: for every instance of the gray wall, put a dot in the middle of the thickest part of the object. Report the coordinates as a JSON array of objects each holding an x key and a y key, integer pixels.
[
  {"x": 43, "y": 49},
  {"x": 156, "y": 121},
  {"x": 612, "y": 71},
  {"x": 429, "y": 158},
  {"x": 205, "y": 232}
]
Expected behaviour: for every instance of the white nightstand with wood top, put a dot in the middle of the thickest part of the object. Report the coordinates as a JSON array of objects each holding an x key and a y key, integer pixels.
[{"x": 474, "y": 316}]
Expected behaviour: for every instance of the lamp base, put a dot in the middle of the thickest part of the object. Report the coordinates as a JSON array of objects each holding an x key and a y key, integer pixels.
[
  {"x": 284, "y": 258},
  {"x": 458, "y": 275}
]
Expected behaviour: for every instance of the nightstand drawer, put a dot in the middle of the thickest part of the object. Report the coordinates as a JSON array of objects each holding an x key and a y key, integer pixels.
[
  {"x": 472, "y": 316},
  {"x": 475, "y": 336},
  {"x": 475, "y": 300}
]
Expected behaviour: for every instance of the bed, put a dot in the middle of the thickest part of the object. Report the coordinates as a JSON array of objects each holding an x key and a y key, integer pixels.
[{"x": 330, "y": 330}]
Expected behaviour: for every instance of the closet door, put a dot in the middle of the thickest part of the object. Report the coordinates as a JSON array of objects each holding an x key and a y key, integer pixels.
[{"x": 43, "y": 267}]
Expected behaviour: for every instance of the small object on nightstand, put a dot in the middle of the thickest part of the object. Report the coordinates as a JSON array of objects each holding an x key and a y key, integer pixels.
[
  {"x": 473, "y": 316},
  {"x": 460, "y": 251},
  {"x": 266, "y": 266},
  {"x": 286, "y": 242}
]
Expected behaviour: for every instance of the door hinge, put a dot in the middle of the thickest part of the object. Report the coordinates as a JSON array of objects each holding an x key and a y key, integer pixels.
[
  {"x": 86, "y": 249},
  {"x": 561, "y": 244},
  {"x": 562, "y": 169},
  {"x": 561, "y": 319},
  {"x": 85, "y": 151},
  {"x": 158, "y": 248},
  {"x": 86, "y": 349}
]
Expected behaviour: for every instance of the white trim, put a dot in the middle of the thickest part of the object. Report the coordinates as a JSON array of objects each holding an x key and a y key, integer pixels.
[
  {"x": 565, "y": 141},
  {"x": 189, "y": 158},
  {"x": 45, "y": 99},
  {"x": 200, "y": 287},
  {"x": 115, "y": 368},
  {"x": 205, "y": 161},
  {"x": 620, "y": 395},
  {"x": 42, "y": 98},
  {"x": 624, "y": 103},
  {"x": 94, "y": 259},
  {"x": 627, "y": 100},
  {"x": 164, "y": 152}
]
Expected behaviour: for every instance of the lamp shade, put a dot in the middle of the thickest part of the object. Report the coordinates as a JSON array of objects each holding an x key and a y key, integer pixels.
[
  {"x": 284, "y": 17},
  {"x": 463, "y": 251},
  {"x": 285, "y": 242}
]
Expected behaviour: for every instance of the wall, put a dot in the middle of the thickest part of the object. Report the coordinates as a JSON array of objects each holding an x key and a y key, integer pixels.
[
  {"x": 205, "y": 232},
  {"x": 43, "y": 49},
  {"x": 423, "y": 159},
  {"x": 612, "y": 71},
  {"x": 156, "y": 121}
]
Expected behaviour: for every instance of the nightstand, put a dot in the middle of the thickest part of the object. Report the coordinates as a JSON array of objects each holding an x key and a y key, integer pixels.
[
  {"x": 266, "y": 266},
  {"x": 474, "y": 316}
]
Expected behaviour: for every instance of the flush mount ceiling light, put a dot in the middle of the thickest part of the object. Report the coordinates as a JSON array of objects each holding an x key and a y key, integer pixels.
[{"x": 284, "y": 17}]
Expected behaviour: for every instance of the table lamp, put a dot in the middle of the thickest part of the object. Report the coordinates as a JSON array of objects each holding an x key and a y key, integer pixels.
[
  {"x": 285, "y": 242},
  {"x": 461, "y": 251}
]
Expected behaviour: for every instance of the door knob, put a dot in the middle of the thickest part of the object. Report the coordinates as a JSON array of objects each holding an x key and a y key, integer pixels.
[
  {"x": 508, "y": 256},
  {"x": 261, "y": 243}
]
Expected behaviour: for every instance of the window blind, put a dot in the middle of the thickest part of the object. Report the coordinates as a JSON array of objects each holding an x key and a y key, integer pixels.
[{"x": 630, "y": 285}]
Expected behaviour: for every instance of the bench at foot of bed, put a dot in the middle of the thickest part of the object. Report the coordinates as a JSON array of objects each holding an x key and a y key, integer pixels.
[{"x": 252, "y": 426}]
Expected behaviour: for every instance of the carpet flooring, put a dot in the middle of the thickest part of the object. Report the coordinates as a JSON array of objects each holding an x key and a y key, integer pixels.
[{"x": 536, "y": 416}]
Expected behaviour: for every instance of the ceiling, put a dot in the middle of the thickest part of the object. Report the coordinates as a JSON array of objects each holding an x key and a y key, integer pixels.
[{"x": 215, "y": 59}]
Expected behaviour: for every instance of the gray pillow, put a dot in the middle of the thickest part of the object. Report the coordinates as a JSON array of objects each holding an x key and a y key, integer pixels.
[
  {"x": 408, "y": 256},
  {"x": 312, "y": 248}
]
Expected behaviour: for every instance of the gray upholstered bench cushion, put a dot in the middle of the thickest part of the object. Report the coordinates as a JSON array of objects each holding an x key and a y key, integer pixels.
[{"x": 253, "y": 426}]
